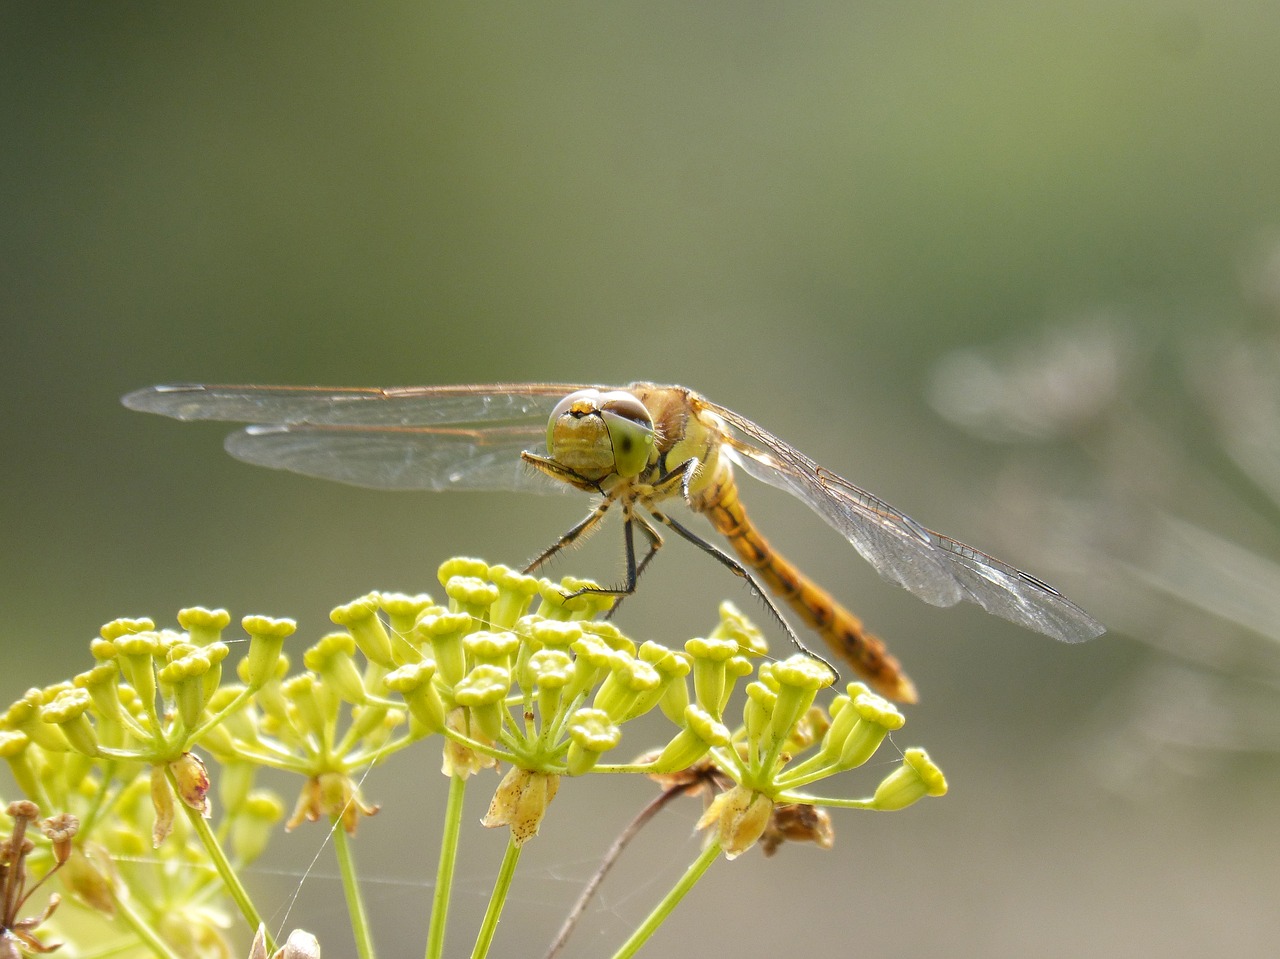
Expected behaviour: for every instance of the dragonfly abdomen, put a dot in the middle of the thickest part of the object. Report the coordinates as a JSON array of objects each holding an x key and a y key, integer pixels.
[{"x": 842, "y": 631}]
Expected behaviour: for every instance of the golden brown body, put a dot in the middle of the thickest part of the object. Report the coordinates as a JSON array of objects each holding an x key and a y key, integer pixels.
[
  {"x": 689, "y": 434},
  {"x": 841, "y": 630}
]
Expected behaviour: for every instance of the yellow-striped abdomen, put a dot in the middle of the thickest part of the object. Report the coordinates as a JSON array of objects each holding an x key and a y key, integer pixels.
[{"x": 842, "y": 630}]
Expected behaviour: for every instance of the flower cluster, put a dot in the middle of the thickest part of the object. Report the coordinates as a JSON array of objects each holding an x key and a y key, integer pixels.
[{"x": 505, "y": 668}]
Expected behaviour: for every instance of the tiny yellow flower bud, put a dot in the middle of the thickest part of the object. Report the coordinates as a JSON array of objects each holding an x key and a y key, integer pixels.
[
  {"x": 757, "y": 711},
  {"x": 68, "y": 711},
  {"x": 799, "y": 678},
  {"x": 551, "y": 668},
  {"x": 266, "y": 641},
  {"x": 136, "y": 655},
  {"x": 548, "y": 672},
  {"x": 591, "y": 658},
  {"x": 13, "y": 749},
  {"x": 101, "y": 682},
  {"x": 311, "y": 705},
  {"x": 471, "y": 595},
  {"x": 700, "y": 733},
  {"x": 414, "y": 682},
  {"x": 332, "y": 658},
  {"x": 462, "y": 566},
  {"x": 402, "y": 612},
  {"x": 515, "y": 594},
  {"x": 186, "y": 678},
  {"x": 673, "y": 667},
  {"x": 735, "y": 626},
  {"x": 493, "y": 649},
  {"x": 916, "y": 778},
  {"x": 125, "y": 627},
  {"x": 204, "y": 626},
  {"x": 549, "y": 633},
  {"x": 361, "y": 617},
  {"x": 592, "y": 733},
  {"x": 610, "y": 635},
  {"x": 482, "y": 692},
  {"x": 628, "y": 680},
  {"x": 877, "y": 717},
  {"x": 710, "y": 659},
  {"x": 445, "y": 631}
]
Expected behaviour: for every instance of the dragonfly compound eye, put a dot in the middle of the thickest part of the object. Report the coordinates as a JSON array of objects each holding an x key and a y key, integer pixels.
[
  {"x": 575, "y": 405},
  {"x": 630, "y": 430}
]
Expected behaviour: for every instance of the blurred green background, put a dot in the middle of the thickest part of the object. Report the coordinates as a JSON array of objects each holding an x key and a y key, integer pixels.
[{"x": 818, "y": 214}]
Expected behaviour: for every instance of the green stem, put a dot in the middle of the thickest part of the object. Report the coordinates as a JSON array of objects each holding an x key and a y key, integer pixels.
[
  {"x": 351, "y": 887},
  {"x": 506, "y": 872},
  {"x": 669, "y": 902},
  {"x": 142, "y": 929},
  {"x": 234, "y": 887},
  {"x": 444, "y": 871},
  {"x": 239, "y": 700},
  {"x": 836, "y": 802}
]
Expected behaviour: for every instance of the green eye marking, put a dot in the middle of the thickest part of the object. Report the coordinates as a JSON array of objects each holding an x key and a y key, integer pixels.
[{"x": 632, "y": 443}]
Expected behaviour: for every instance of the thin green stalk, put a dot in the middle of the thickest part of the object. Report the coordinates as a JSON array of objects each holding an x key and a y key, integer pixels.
[
  {"x": 351, "y": 887},
  {"x": 230, "y": 880},
  {"x": 142, "y": 929},
  {"x": 444, "y": 871},
  {"x": 669, "y": 902},
  {"x": 506, "y": 872}
]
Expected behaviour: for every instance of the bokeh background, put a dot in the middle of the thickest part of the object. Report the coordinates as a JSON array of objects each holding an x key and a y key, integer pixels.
[{"x": 1014, "y": 267}]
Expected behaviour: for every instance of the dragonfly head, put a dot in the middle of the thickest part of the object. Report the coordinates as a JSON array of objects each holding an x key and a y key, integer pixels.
[{"x": 599, "y": 434}]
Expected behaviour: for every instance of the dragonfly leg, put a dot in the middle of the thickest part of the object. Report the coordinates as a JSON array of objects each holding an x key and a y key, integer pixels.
[
  {"x": 740, "y": 570},
  {"x": 634, "y": 569},
  {"x": 558, "y": 471},
  {"x": 655, "y": 541},
  {"x": 572, "y": 535},
  {"x": 665, "y": 485}
]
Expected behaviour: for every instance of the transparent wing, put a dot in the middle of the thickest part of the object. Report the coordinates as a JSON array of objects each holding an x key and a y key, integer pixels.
[
  {"x": 430, "y": 437},
  {"x": 937, "y": 568}
]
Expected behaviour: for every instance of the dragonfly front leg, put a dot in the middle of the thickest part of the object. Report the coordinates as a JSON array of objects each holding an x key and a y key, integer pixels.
[
  {"x": 678, "y": 477},
  {"x": 572, "y": 536}
]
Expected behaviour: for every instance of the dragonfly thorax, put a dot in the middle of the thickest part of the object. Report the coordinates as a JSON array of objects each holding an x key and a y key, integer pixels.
[{"x": 598, "y": 435}]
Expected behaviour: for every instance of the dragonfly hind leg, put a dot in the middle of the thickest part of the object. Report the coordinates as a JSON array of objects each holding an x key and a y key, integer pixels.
[{"x": 738, "y": 569}]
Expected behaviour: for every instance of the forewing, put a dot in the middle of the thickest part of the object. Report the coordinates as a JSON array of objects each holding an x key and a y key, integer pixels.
[
  {"x": 397, "y": 406},
  {"x": 434, "y": 437},
  {"x": 938, "y": 569}
]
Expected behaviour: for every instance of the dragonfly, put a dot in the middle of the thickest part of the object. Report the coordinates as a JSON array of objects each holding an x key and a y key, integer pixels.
[{"x": 636, "y": 448}]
